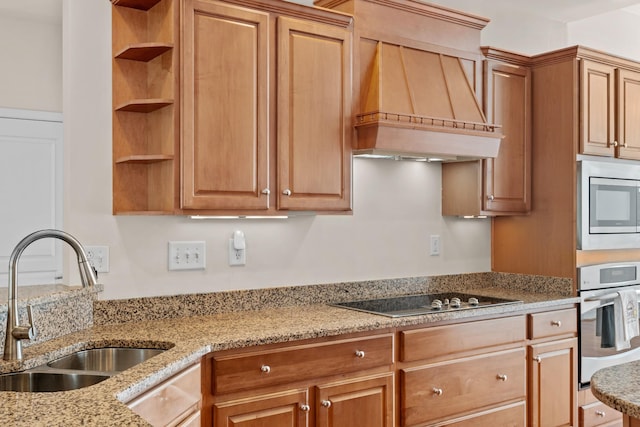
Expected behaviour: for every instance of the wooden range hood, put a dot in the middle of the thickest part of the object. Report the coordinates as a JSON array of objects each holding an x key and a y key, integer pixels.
[{"x": 421, "y": 103}]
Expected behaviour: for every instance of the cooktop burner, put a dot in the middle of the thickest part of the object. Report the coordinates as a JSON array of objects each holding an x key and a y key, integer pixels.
[{"x": 412, "y": 305}]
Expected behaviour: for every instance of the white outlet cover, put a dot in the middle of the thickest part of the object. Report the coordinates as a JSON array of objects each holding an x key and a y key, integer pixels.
[
  {"x": 187, "y": 255},
  {"x": 98, "y": 257}
]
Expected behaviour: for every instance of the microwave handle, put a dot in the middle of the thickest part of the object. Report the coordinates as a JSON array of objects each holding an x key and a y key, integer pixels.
[{"x": 606, "y": 296}]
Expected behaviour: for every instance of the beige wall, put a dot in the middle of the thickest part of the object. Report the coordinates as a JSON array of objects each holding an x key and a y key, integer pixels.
[{"x": 31, "y": 65}]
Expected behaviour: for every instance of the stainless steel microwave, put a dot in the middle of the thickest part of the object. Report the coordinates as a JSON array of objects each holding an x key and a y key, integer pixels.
[{"x": 608, "y": 204}]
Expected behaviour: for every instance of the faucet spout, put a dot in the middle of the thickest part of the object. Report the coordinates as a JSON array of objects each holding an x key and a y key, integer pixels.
[{"x": 16, "y": 332}]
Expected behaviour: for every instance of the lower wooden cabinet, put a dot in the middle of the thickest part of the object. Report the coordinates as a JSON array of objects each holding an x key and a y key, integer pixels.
[
  {"x": 553, "y": 369},
  {"x": 594, "y": 413}
]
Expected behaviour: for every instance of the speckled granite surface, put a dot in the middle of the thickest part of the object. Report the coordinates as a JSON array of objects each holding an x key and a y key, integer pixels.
[
  {"x": 619, "y": 387},
  {"x": 234, "y": 320},
  {"x": 137, "y": 309}
]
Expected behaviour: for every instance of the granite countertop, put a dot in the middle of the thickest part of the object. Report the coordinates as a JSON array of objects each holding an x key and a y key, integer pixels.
[
  {"x": 617, "y": 387},
  {"x": 188, "y": 339}
]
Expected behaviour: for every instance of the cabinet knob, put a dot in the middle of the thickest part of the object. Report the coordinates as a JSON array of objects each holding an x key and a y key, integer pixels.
[
  {"x": 437, "y": 391},
  {"x": 615, "y": 143},
  {"x": 600, "y": 413},
  {"x": 538, "y": 359},
  {"x": 326, "y": 403},
  {"x": 287, "y": 192},
  {"x": 360, "y": 354},
  {"x": 265, "y": 368},
  {"x": 305, "y": 407},
  {"x": 624, "y": 144},
  {"x": 556, "y": 323},
  {"x": 491, "y": 197},
  {"x": 266, "y": 191},
  {"x": 502, "y": 377}
]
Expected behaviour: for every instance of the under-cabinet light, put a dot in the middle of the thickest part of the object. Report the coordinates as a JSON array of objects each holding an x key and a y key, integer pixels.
[{"x": 239, "y": 217}]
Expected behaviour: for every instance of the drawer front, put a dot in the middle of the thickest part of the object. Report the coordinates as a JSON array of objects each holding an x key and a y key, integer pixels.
[
  {"x": 439, "y": 341},
  {"x": 171, "y": 401},
  {"x": 279, "y": 366},
  {"x": 444, "y": 390},
  {"x": 505, "y": 416},
  {"x": 597, "y": 414},
  {"x": 551, "y": 323}
]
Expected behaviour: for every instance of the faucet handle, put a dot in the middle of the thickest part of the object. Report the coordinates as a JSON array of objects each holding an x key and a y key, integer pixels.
[{"x": 24, "y": 332}]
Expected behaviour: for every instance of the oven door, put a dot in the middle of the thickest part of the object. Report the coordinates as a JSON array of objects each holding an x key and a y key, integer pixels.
[{"x": 597, "y": 333}]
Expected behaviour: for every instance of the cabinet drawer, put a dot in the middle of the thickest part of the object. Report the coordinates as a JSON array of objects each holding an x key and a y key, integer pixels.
[
  {"x": 550, "y": 323},
  {"x": 596, "y": 414},
  {"x": 278, "y": 366},
  {"x": 513, "y": 415},
  {"x": 429, "y": 343},
  {"x": 172, "y": 401},
  {"x": 442, "y": 390}
]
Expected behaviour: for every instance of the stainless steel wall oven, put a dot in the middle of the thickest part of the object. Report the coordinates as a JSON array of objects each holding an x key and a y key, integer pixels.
[{"x": 598, "y": 286}]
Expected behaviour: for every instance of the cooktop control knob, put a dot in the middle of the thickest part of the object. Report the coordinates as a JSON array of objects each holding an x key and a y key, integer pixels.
[
  {"x": 455, "y": 302},
  {"x": 436, "y": 304},
  {"x": 473, "y": 301}
]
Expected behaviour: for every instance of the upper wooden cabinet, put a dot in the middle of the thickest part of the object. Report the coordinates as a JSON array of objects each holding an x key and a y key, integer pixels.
[
  {"x": 231, "y": 107},
  {"x": 610, "y": 109},
  {"x": 500, "y": 185}
]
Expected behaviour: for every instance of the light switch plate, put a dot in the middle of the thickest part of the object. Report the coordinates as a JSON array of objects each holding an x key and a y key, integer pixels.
[{"x": 187, "y": 255}]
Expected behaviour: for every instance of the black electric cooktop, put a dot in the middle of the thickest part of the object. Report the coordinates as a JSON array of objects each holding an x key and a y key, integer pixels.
[{"x": 412, "y": 305}]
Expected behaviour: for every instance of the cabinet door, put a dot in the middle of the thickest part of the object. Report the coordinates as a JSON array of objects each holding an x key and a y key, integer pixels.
[
  {"x": 364, "y": 402},
  {"x": 224, "y": 107},
  {"x": 553, "y": 383},
  {"x": 286, "y": 409},
  {"x": 597, "y": 92},
  {"x": 314, "y": 116},
  {"x": 508, "y": 177},
  {"x": 628, "y": 126}
]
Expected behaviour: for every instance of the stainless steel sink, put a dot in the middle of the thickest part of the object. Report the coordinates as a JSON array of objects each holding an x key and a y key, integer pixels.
[
  {"x": 47, "y": 381},
  {"x": 110, "y": 359}
]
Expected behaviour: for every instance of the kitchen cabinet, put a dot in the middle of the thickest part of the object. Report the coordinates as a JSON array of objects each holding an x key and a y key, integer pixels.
[
  {"x": 262, "y": 126},
  {"x": 610, "y": 114},
  {"x": 175, "y": 402},
  {"x": 473, "y": 376},
  {"x": 500, "y": 185},
  {"x": 593, "y": 413},
  {"x": 552, "y": 368},
  {"x": 145, "y": 115},
  {"x": 545, "y": 241},
  {"x": 232, "y": 102},
  {"x": 343, "y": 382}
]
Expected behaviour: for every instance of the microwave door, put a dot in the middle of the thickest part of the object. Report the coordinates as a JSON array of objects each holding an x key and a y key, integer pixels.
[{"x": 613, "y": 205}]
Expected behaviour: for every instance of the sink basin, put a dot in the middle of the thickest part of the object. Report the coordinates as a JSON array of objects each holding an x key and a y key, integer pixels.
[
  {"x": 47, "y": 381},
  {"x": 110, "y": 359}
]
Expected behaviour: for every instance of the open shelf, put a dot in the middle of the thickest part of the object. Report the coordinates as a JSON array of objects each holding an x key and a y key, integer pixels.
[
  {"x": 143, "y": 52},
  {"x": 144, "y": 105},
  {"x": 136, "y": 4},
  {"x": 145, "y": 158}
]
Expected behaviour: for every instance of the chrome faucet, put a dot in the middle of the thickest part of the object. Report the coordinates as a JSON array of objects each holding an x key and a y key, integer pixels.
[{"x": 16, "y": 332}]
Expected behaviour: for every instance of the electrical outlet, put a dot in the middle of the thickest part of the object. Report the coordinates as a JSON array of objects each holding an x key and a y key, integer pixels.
[
  {"x": 98, "y": 257},
  {"x": 237, "y": 256},
  {"x": 187, "y": 255},
  {"x": 434, "y": 249}
]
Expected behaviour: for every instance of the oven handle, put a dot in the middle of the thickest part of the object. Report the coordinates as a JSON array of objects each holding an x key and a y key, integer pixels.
[{"x": 606, "y": 296}]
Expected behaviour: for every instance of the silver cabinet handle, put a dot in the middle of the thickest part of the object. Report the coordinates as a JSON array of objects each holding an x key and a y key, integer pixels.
[
  {"x": 538, "y": 359},
  {"x": 287, "y": 192},
  {"x": 326, "y": 403},
  {"x": 615, "y": 143},
  {"x": 360, "y": 354},
  {"x": 265, "y": 368},
  {"x": 491, "y": 197},
  {"x": 437, "y": 391},
  {"x": 266, "y": 191},
  {"x": 305, "y": 407},
  {"x": 600, "y": 413},
  {"x": 502, "y": 377},
  {"x": 556, "y": 323}
]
